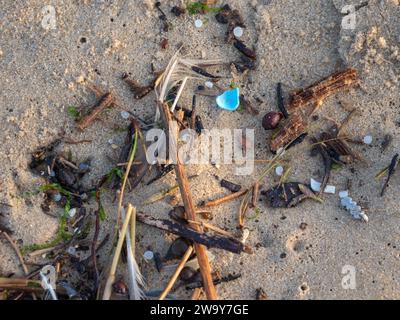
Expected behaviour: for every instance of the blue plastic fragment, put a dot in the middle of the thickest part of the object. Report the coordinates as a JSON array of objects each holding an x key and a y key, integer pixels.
[{"x": 229, "y": 100}]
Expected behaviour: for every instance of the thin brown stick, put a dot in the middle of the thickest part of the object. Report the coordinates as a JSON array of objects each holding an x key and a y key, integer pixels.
[
  {"x": 175, "y": 276},
  {"x": 17, "y": 251},
  {"x": 106, "y": 101},
  {"x": 186, "y": 195},
  {"x": 72, "y": 141},
  {"x": 196, "y": 294},
  {"x": 222, "y": 200}
]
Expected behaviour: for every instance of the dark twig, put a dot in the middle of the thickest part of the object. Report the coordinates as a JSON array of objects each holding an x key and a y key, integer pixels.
[{"x": 392, "y": 169}]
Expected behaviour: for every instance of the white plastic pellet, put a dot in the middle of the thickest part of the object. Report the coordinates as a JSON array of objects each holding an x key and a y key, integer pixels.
[
  {"x": 125, "y": 114},
  {"x": 367, "y": 139},
  {"x": 148, "y": 255},
  {"x": 238, "y": 32},
  {"x": 209, "y": 84},
  {"x": 198, "y": 23},
  {"x": 279, "y": 170}
]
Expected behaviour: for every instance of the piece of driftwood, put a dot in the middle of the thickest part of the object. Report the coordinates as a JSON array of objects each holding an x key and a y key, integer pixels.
[
  {"x": 322, "y": 89},
  {"x": 105, "y": 101},
  {"x": 293, "y": 127},
  {"x": 207, "y": 239}
]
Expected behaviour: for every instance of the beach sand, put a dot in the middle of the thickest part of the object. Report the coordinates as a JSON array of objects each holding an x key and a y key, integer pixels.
[{"x": 44, "y": 71}]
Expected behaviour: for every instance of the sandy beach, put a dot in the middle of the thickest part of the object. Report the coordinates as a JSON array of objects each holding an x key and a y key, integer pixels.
[{"x": 307, "y": 252}]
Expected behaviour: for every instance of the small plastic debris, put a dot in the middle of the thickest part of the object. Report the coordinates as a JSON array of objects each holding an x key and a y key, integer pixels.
[
  {"x": 279, "y": 170},
  {"x": 209, "y": 84},
  {"x": 367, "y": 139},
  {"x": 238, "y": 32},
  {"x": 353, "y": 208},
  {"x": 198, "y": 23},
  {"x": 148, "y": 255},
  {"x": 330, "y": 189},
  {"x": 229, "y": 100},
  {"x": 125, "y": 115},
  {"x": 245, "y": 235},
  {"x": 72, "y": 212},
  {"x": 316, "y": 186},
  {"x": 343, "y": 194}
]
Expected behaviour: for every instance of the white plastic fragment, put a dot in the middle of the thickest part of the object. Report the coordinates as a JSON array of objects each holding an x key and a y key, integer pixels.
[
  {"x": 198, "y": 23},
  {"x": 353, "y": 208},
  {"x": 209, "y": 84},
  {"x": 125, "y": 115},
  {"x": 367, "y": 139},
  {"x": 330, "y": 189},
  {"x": 72, "y": 212},
  {"x": 238, "y": 32},
  {"x": 148, "y": 255},
  {"x": 245, "y": 235},
  {"x": 343, "y": 194},
  {"x": 279, "y": 170},
  {"x": 316, "y": 186}
]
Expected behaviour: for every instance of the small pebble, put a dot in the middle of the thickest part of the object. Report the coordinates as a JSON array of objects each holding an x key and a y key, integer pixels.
[
  {"x": 367, "y": 140},
  {"x": 209, "y": 84},
  {"x": 198, "y": 23},
  {"x": 57, "y": 197},
  {"x": 279, "y": 170},
  {"x": 110, "y": 141},
  {"x": 238, "y": 32},
  {"x": 125, "y": 115},
  {"x": 148, "y": 255}
]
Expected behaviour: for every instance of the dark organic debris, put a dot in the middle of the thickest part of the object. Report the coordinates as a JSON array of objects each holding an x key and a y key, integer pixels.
[
  {"x": 178, "y": 11},
  {"x": 177, "y": 249},
  {"x": 207, "y": 239},
  {"x": 233, "y": 187},
  {"x": 187, "y": 274},
  {"x": 138, "y": 90},
  {"x": 288, "y": 194},
  {"x": 281, "y": 101},
  {"x": 244, "y": 49},
  {"x": 141, "y": 166},
  {"x": 294, "y": 127},
  {"x": 391, "y": 171},
  {"x": 322, "y": 89},
  {"x": 228, "y": 16},
  {"x": 271, "y": 120},
  {"x": 216, "y": 280}
]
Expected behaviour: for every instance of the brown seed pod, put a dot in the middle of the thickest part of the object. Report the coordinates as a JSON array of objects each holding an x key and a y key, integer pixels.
[
  {"x": 271, "y": 120},
  {"x": 119, "y": 287}
]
